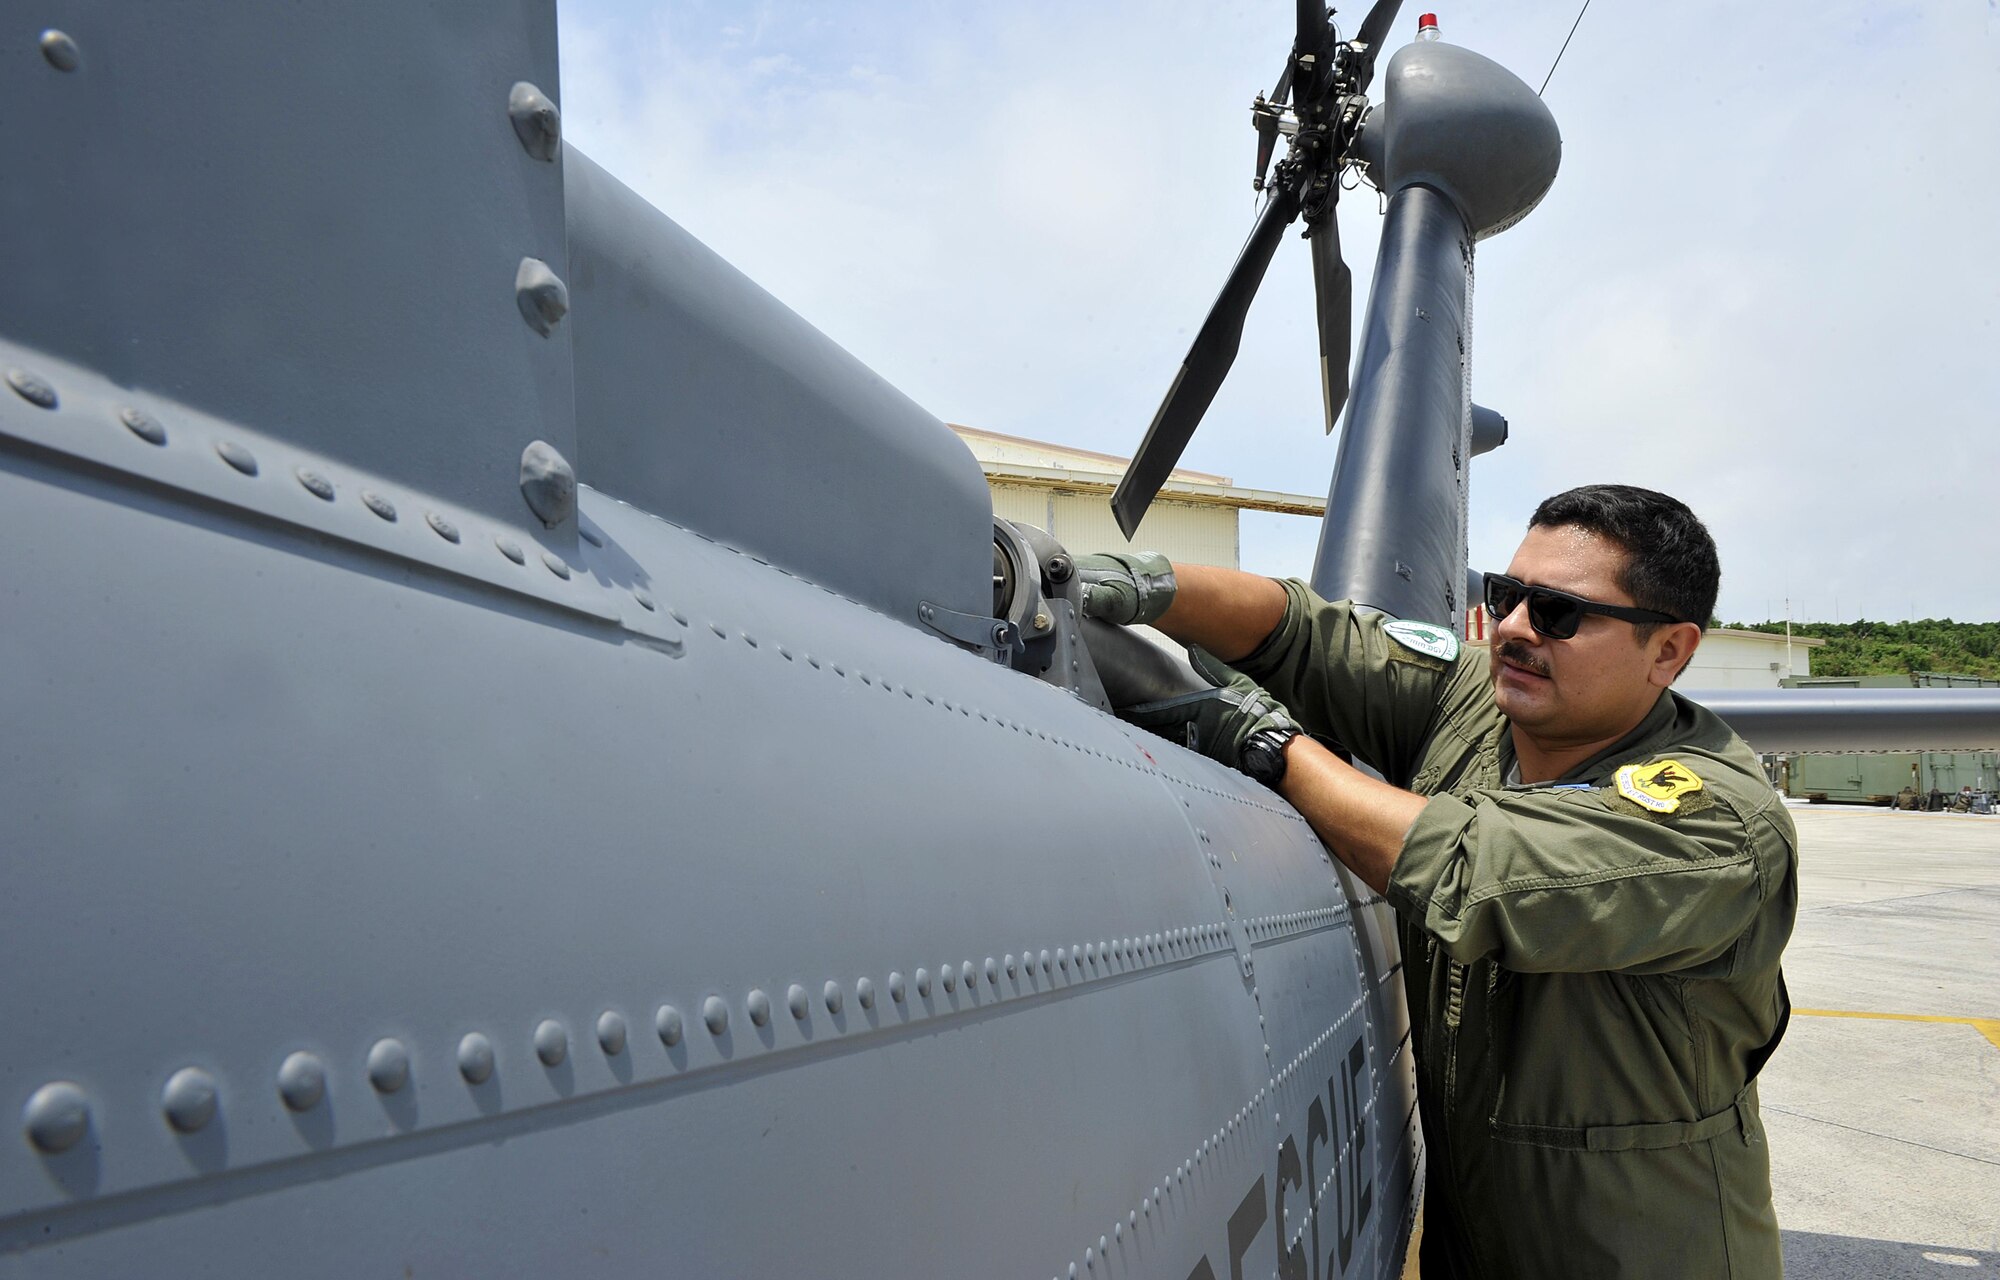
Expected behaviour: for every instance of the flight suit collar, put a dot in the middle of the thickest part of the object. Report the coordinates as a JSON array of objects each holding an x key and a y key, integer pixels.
[{"x": 1594, "y": 771}]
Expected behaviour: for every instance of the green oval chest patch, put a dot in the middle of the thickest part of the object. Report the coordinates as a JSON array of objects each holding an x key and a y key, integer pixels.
[{"x": 1423, "y": 637}]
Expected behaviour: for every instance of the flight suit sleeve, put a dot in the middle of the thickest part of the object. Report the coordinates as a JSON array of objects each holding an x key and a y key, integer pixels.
[
  {"x": 1342, "y": 676},
  {"x": 1576, "y": 881}
]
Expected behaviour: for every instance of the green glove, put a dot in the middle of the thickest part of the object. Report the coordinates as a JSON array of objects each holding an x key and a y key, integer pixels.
[
  {"x": 1126, "y": 587},
  {"x": 1215, "y": 722}
]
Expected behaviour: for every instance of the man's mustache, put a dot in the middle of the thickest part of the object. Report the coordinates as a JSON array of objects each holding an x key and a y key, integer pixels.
[{"x": 1520, "y": 655}]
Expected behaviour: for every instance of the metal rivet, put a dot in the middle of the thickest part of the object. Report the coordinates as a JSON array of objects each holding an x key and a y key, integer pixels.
[
  {"x": 864, "y": 991},
  {"x": 541, "y": 295},
  {"x": 923, "y": 982},
  {"x": 475, "y": 1058},
  {"x": 646, "y": 603},
  {"x": 760, "y": 1007},
  {"x": 668, "y": 1023},
  {"x": 590, "y": 537},
  {"x": 1146, "y": 1203},
  {"x": 316, "y": 484},
  {"x": 950, "y": 977},
  {"x": 388, "y": 1065},
  {"x": 1090, "y": 952},
  {"x": 715, "y": 1015},
  {"x": 1009, "y": 962},
  {"x": 237, "y": 456},
  {"x": 796, "y": 1001},
  {"x": 548, "y": 483},
  {"x": 142, "y": 426},
  {"x": 442, "y": 527},
  {"x": 1045, "y": 960},
  {"x": 896, "y": 991},
  {"x": 1062, "y": 959},
  {"x": 557, "y": 565},
  {"x": 380, "y": 505},
  {"x": 551, "y": 1042},
  {"x": 1089, "y": 1258},
  {"x": 611, "y": 1033},
  {"x": 536, "y": 121},
  {"x": 968, "y": 975},
  {"x": 60, "y": 50},
  {"x": 511, "y": 549},
  {"x": 993, "y": 971},
  {"x": 56, "y": 1117},
  {"x": 302, "y": 1081}
]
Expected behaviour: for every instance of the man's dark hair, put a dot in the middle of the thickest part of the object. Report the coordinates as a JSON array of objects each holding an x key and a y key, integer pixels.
[{"x": 1670, "y": 562}]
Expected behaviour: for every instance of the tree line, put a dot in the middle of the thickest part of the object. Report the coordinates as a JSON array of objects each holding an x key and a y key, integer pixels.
[{"x": 1897, "y": 648}]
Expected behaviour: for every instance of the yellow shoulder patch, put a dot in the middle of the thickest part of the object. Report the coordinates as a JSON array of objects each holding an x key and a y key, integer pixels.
[{"x": 1659, "y": 785}]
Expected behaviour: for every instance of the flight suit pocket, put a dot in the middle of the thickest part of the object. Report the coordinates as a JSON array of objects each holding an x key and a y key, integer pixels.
[{"x": 1653, "y": 1136}]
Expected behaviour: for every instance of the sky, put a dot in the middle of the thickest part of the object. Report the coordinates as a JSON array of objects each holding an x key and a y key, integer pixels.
[{"x": 1765, "y": 280}]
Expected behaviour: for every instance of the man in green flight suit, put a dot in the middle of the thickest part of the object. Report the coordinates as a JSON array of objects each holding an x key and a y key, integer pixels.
[{"x": 1594, "y": 879}]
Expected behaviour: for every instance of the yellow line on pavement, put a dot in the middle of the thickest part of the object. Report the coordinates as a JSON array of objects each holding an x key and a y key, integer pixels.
[{"x": 1988, "y": 1027}]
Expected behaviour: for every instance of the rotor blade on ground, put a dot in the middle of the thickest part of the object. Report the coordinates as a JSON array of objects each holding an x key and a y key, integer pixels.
[
  {"x": 1374, "y": 30},
  {"x": 1207, "y": 363},
  {"x": 1333, "y": 299}
]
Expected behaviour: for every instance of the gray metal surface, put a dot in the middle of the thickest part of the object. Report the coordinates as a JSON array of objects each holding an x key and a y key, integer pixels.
[
  {"x": 396, "y": 884},
  {"x": 1859, "y": 719},
  {"x": 1394, "y": 533},
  {"x": 1464, "y": 150},
  {"x": 1461, "y": 124},
  {"x": 703, "y": 399},
  {"x": 1489, "y": 431},
  {"x": 493, "y": 820},
  {"x": 204, "y": 211}
]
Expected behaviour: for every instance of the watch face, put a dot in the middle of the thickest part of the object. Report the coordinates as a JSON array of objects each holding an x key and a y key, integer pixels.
[{"x": 1264, "y": 756}]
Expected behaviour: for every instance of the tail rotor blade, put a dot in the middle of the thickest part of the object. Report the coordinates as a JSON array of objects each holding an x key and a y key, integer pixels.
[
  {"x": 1284, "y": 85},
  {"x": 1201, "y": 373},
  {"x": 1312, "y": 27},
  {"x": 1333, "y": 297},
  {"x": 1312, "y": 42},
  {"x": 1374, "y": 30},
  {"x": 1267, "y": 123}
]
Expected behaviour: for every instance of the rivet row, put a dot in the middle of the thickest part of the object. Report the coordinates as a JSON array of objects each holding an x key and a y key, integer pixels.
[
  {"x": 37, "y": 391},
  {"x": 1231, "y": 1130}
]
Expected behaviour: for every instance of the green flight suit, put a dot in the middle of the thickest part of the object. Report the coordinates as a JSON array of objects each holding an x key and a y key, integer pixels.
[{"x": 1593, "y": 979}]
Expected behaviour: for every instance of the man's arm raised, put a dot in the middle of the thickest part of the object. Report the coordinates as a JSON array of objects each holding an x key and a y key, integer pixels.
[{"x": 1225, "y": 611}]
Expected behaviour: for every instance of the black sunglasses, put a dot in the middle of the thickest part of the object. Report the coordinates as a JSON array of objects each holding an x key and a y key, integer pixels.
[{"x": 1556, "y": 614}]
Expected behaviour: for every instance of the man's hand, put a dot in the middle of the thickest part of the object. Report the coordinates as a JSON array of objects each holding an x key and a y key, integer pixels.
[
  {"x": 1215, "y": 722},
  {"x": 1126, "y": 587}
]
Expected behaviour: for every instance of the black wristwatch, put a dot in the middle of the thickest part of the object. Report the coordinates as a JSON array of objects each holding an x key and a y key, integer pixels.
[{"x": 1263, "y": 754}]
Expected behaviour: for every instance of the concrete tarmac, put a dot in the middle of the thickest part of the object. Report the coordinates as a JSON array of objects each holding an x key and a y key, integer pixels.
[{"x": 1883, "y": 1103}]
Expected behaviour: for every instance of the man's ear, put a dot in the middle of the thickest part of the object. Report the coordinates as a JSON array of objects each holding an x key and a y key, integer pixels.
[{"x": 1672, "y": 646}]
